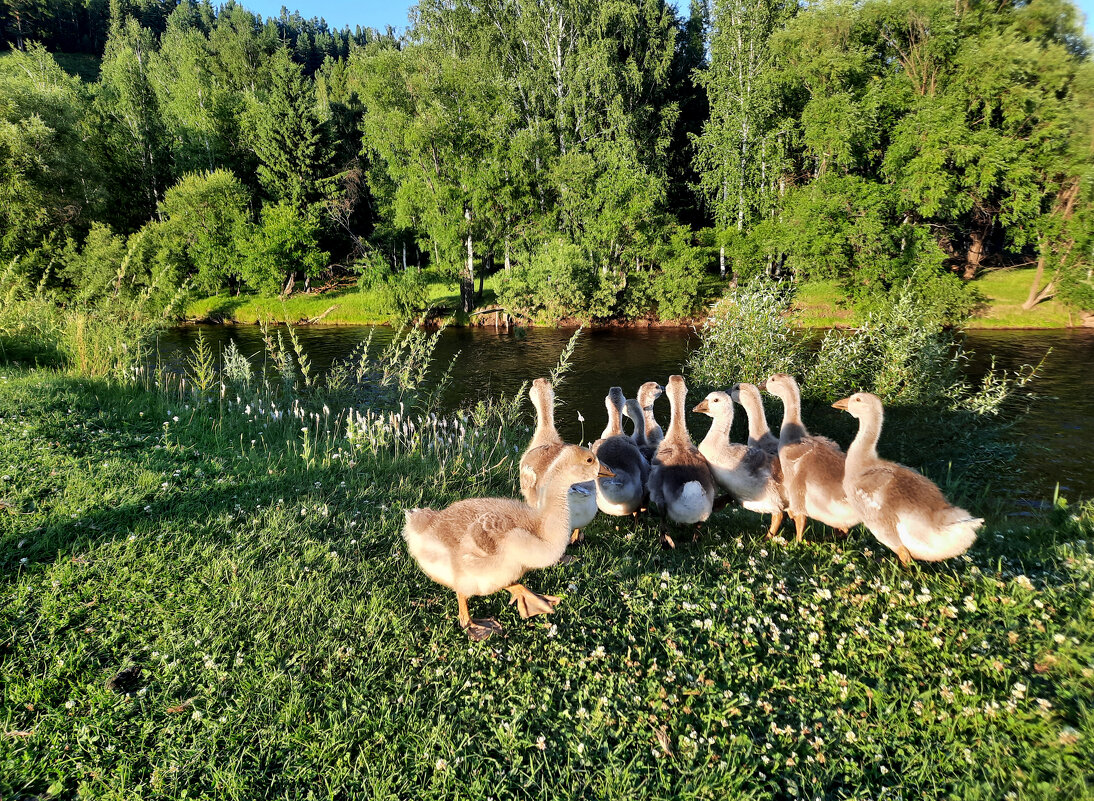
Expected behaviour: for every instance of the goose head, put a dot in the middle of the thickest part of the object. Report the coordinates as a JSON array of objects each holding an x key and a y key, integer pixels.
[
  {"x": 859, "y": 405},
  {"x": 782, "y": 385},
  {"x": 575, "y": 465},
  {"x": 648, "y": 393},
  {"x": 716, "y": 404}
]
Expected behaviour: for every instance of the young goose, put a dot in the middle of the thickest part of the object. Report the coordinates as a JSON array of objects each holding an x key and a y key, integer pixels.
[
  {"x": 622, "y": 494},
  {"x": 905, "y": 510},
  {"x": 680, "y": 481},
  {"x": 480, "y": 546},
  {"x": 812, "y": 466},
  {"x": 651, "y": 432},
  {"x": 751, "y": 474},
  {"x": 759, "y": 435},
  {"x": 541, "y": 452}
]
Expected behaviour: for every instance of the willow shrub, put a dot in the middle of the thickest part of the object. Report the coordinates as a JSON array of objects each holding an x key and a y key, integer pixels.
[{"x": 748, "y": 336}]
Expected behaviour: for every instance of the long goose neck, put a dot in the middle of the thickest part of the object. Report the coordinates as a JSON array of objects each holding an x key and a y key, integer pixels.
[
  {"x": 615, "y": 420},
  {"x": 651, "y": 429},
  {"x": 545, "y": 416},
  {"x": 863, "y": 449},
  {"x": 554, "y": 509},
  {"x": 720, "y": 426},
  {"x": 677, "y": 428},
  {"x": 639, "y": 419},
  {"x": 757, "y": 419},
  {"x": 792, "y": 428}
]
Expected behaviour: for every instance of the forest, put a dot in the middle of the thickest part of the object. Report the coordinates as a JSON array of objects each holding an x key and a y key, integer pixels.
[{"x": 598, "y": 160}]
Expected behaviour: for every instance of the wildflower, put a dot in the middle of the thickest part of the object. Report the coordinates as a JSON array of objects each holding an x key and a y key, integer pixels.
[
  {"x": 1023, "y": 582},
  {"x": 441, "y": 764},
  {"x": 541, "y": 743},
  {"x": 1019, "y": 690},
  {"x": 69, "y": 704},
  {"x": 580, "y": 417}
]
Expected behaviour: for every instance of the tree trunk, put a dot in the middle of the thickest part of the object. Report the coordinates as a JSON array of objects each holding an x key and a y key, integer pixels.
[
  {"x": 1036, "y": 295},
  {"x": 974, "y": 255},
  {"x": 487, "y": 266},
  {"x": 722, "y": 261},
  {"x": 404, "y": 255},
  {"x": 506, "y": 255},
  {"x": 467, "y": 280},
  {"x": 289, "y": 282}
]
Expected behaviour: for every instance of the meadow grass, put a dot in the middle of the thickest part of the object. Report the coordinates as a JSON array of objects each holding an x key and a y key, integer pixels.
[
  {"x": 817, "y": 304},
  {"x": 1005, "y": 291},
  {"x": 244, "y": 551},
  {"x": 352, "y": 306}
]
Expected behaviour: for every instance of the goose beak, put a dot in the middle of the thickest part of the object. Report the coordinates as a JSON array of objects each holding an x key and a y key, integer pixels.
[
  {"x": 762, "y": 386},
  {"x": 702, "y": 406},
  {"x": 841, "y": 404},
  {"x": 604, "y": 472}
]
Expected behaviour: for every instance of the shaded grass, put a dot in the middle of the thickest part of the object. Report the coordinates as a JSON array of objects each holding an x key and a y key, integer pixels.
[{"x": 289, "y": 646}]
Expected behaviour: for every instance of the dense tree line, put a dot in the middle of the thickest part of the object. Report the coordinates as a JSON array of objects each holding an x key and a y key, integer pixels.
[{"x": 601, "y": 157}]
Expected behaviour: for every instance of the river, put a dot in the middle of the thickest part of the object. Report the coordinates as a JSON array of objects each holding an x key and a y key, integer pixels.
[{"x": 1056, "y": 436}]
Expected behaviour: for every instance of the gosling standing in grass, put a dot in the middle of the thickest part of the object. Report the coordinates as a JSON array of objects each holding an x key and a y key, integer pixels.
[
  {"x": 480, "y": 546},
  {"x": 681, "y": 485},
  {"x": 905, "y": 510}
]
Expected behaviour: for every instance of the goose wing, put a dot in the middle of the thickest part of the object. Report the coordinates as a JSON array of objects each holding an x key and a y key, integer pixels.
[{"x": 872, "y": 486}]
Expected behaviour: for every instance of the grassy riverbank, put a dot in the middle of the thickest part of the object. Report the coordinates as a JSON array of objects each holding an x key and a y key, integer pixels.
[
  {"x": 288, "y": 645},
  {"x": 818, "y": 304}
]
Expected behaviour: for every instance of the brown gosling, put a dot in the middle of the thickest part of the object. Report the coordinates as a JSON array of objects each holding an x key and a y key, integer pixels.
[
  {"x": 749, "y": 473},
  {"x": 542, "y": 451},
  {"x": 903, "y": 509},
  {"x": 482, "y": 545},
  {"x": 681, "y": 485},
  {"x": 812, "y": 466}
]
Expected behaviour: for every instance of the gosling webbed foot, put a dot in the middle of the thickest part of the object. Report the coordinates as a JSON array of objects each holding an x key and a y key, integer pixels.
[
  {"x": 667, "y": 543},
  {"x": 577, "y": 538},
  {"x": 479, "y": 629},
  {"x": 905, "y": 556},
  {"x": 529, "y": 603}
]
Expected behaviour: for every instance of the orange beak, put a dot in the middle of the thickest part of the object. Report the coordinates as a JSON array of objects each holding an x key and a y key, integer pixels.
[
  {"x": 841, "y": 404},
  {"x": 762, "y": 386},
  {"x": 604, "y": 472},
  {"x": 702, "y": 407}
]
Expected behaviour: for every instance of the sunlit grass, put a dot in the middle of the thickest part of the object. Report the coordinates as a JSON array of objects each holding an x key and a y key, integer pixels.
[
  {"x": 246, "y": 555},
  {"x": 351, "y": 306},
  {"x": 1006, "y": 291}
]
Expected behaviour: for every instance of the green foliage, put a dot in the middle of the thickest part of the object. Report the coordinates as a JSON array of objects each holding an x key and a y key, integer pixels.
[
  {"x": 748, "y": 336},
  {"x": 283, "y": 243},
  {"x": 554, "y": 282},
  {"x": 206, "y": 213},
  {"x": 676, "y": 286},
  {"x": 289, "y": 137}
]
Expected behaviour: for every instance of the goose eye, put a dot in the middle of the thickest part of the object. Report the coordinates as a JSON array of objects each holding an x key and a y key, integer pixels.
[{"x": 589, "y": 460}]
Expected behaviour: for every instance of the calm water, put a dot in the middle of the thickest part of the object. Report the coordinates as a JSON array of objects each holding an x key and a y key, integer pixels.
[{"x": 1056, "y": 437}]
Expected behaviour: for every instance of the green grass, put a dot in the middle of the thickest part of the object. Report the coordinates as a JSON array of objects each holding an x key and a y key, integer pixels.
[
  {"x": 290, "y": 648},
  {"x": 1006, "y": 291},
  {"x": 817, "y": 304},
  {"x": 352, "y": 306}
]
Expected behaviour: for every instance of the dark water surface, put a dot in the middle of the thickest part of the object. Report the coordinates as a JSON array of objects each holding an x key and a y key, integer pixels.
[{"x": 1056, "y": 437}]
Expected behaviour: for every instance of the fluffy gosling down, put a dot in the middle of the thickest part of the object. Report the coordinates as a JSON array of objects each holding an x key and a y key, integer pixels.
[
  {"x": 482, "y": 545},
  {"x": 903, "y": 509}
]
